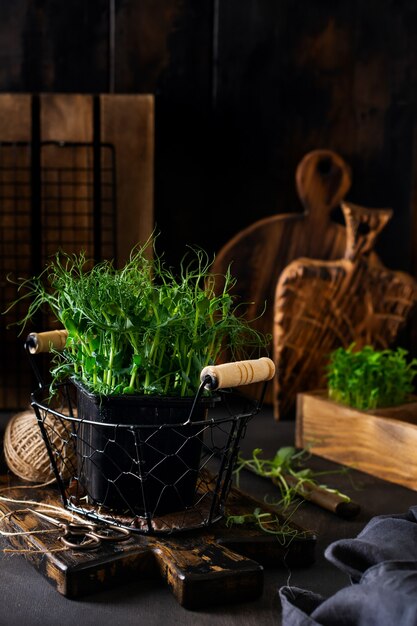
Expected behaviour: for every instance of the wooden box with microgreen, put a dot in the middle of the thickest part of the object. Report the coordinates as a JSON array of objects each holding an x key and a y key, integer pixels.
[
  {"x": 367, "y": 417},
  {"x": 381, "y": 442}
]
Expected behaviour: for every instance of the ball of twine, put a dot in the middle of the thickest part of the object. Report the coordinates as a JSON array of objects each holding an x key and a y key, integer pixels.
[{"x": 25, "y": 450}]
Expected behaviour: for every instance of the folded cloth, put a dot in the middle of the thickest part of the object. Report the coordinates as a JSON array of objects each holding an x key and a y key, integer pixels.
[{"x": 382, "y": 565}]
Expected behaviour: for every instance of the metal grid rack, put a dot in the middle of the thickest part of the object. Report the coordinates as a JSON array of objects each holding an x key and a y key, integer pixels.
[{"x": 70, "y": 216}]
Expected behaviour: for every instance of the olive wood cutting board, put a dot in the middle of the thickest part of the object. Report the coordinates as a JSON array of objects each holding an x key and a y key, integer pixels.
[
  {"x": 322, "y": 305},
  {"x": 212, "y": 566},
  {"x": 259, "y": 253}
]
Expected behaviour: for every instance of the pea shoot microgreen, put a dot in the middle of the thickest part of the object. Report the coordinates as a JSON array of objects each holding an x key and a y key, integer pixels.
[
  {"x": 367, "y": 379},
  {"x": 269, "y": 523},
  {"x": 287, "y": 471},
  {"x": 141, "y": 329}
]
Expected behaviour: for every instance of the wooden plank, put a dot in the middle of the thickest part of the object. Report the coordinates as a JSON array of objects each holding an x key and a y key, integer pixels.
[
  {"x": 381, "y": 444},
  {"x": 15, "y": 117},
  {"x": 66, "y": 117},
  {"x": 67, "y": 174},
  {"x": 127, "y": 122},
  {"x": 202, "y": 568}
]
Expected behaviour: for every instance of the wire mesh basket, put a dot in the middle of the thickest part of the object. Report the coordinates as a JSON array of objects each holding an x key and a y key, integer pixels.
[{"x": 149, "y": 464}]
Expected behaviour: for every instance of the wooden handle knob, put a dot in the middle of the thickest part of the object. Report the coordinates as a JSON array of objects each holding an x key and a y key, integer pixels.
[
  {"x": 238, "y": 373},
  {"x": 323, "y": 180},
  {"x": 363, "y": 226},
  {"x": 43, "y": 342}
]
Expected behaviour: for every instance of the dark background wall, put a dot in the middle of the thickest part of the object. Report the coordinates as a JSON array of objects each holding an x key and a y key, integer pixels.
[{"x": 244, "y": 89}]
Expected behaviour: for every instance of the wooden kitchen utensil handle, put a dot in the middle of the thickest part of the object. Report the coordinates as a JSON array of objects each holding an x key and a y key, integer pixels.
[
  {"x": 238, "y": 373},
  {"x": 323, "y": 496},
  {"x": 43, "y": 342}
]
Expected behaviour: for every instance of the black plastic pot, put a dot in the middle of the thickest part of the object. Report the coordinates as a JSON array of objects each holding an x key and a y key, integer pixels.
[{"x": 134, "y": 453}]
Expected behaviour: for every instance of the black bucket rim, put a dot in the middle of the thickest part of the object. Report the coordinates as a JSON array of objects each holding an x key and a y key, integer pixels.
[{"x": 145, "y": 399}]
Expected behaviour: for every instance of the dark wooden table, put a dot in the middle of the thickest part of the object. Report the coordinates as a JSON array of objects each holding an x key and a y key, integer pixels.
[{"x": 26, "y": 598}]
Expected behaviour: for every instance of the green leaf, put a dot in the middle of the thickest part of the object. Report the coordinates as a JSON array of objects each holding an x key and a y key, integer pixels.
[
  {"x": 284, "y": 455},
  {"x": 89, "y": 364},
  {"x": 137, "y": 359}
]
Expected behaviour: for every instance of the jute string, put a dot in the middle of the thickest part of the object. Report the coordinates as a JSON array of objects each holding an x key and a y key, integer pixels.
[
  {"x": 25, "y": 451},
  {"x": 41, "y": 507}
]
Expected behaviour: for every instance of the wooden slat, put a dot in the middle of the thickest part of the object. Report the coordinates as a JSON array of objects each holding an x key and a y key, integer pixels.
[
  {"x": 15, "y": 117},
  {"x": 67, "y": 199},
  {"x": 127, "y": 122},
  {"x": 66, "y": 117},
  {"x": 67, "y": 174}
]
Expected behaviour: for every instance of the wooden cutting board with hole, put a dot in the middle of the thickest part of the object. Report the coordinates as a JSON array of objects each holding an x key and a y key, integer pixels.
[
  {"x": 258, "y": 254},
  {"x": 323, "y": 305},
  {"x": 219, "y": 565}
]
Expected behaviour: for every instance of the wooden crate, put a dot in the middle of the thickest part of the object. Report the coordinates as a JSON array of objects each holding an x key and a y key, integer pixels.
[{"x": 382, "y": 442}]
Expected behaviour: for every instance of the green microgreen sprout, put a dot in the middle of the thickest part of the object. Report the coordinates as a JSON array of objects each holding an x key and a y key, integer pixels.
[
  {"x": 286, "y": 470},
  {"x": 367, "y": 379},
  {"x": 269, "y": 523},
  {"x": 142, "y": 329}
]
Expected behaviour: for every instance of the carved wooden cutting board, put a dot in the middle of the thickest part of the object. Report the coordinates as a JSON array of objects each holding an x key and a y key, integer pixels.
[
  {"x": 259, "y": 253},
  {"x": 322, "y": 305},
  {"x": 213, "y": 566}
]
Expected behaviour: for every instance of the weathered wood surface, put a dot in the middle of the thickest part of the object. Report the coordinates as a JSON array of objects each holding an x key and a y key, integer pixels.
[
  {"x": 321, "y": 305},
  {"x": 335, "y": 74},
  {"x": 203, "y": 568},
  {"x": 258, "y": 254},
  {"x": 381, "y": 443},
  {"x": 67, "y": 216},
  {"x": 127, "y": 123}
]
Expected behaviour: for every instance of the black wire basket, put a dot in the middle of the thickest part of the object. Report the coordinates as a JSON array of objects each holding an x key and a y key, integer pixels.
[{"x": 149, "y": 464}]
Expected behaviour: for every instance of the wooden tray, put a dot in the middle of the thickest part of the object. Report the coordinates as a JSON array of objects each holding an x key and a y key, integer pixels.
[
  {"x": 381, "y": 443},
  {"x": 212, "y": 566}
]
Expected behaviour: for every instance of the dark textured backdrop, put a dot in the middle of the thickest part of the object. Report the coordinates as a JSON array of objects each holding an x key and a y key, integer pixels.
[{"x": 244, "y": 89}]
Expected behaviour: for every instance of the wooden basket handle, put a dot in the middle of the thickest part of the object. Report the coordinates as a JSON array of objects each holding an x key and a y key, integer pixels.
[
  {"x": 44, "y": 342},
  {"x": 221, "y": 376},
  {"x": 238, "y": 373}
]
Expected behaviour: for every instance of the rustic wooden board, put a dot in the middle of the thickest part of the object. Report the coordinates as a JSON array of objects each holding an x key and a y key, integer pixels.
[
  {"x": 16, "y": 117},
  {"x": 67, "y": 174},
  {"x": 212, "y": 566},
  {"x": 66, "y": 117},
  {"x": 381, "y": 443},
  {"x": 322, "y": 305},
  {"x": 127, "y": 122},
  {"x": 259, "y": 253}
]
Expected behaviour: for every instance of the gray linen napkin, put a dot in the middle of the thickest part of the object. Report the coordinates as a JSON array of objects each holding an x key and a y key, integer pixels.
[{"x": 382, "y": 565}]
